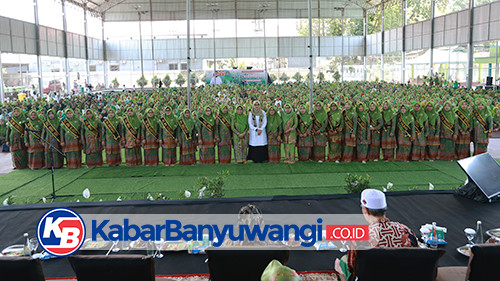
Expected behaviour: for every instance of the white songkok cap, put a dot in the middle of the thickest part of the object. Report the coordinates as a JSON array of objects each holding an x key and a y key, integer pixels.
[{"x": 373, "y": 199}]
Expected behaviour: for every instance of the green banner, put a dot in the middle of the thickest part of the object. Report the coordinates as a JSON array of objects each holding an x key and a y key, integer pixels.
[{"x": 236, "y": 76}]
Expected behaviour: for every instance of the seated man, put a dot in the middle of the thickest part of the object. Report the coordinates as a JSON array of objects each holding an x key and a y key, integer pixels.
[{"x": 383, "y": 232}]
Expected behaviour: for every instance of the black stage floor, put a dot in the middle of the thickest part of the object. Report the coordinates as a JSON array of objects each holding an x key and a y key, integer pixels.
[{"x": 412, "y": 208}]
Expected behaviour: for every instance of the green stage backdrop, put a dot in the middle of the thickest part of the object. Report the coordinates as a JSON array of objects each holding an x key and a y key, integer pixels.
[{"x": 237, "y": 76}]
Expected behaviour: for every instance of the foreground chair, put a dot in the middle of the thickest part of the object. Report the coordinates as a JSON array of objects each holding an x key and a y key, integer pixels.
[
  {"x": 114, "y": 267},
  {"x": 21, "y": 269},
  {"x": 396, "y": 264},
  {"x": 241, "y": 265},
  {"x": 483, "y": 265}
]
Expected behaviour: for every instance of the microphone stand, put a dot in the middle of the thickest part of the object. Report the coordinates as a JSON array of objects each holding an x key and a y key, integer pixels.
[{"x": 52, "y": 149}]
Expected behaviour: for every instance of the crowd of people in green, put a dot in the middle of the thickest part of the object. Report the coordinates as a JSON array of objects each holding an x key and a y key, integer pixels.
[{"x": 349, "y": 121}]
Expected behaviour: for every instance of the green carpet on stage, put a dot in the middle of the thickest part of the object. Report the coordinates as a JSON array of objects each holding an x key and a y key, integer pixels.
[{"x": 304, "y": 178}]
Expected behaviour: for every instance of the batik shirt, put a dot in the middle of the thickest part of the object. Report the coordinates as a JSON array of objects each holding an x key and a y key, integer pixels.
[
  {"x": 386, "y": 234},
  {"x": 391, "y": 234}
]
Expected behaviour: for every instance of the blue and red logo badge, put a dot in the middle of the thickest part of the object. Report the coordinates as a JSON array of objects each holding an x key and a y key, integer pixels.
[{"x": 61, "y": 232}]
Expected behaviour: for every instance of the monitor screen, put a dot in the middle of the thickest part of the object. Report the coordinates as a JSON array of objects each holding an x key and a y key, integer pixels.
[{"x": 484, "y": 171}]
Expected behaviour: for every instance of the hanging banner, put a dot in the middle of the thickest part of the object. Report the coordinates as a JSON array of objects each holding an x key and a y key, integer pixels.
[{"x": 236, "y": 76}]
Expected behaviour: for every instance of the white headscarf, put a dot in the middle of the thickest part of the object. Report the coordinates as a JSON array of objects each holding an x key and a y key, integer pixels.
[{"x": 257, "y": 112}]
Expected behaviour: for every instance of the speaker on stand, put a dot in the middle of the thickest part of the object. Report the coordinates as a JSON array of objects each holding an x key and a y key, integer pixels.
[{"x": 489, "y": 81}]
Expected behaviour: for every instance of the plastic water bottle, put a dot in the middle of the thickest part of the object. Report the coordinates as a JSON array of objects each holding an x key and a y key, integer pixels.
[
  {"x": 433, "y": 242},
  {"x": 479, "y": 233},
  {"x": 27, "y": 250},
  {"x": 150, "y": 249}
]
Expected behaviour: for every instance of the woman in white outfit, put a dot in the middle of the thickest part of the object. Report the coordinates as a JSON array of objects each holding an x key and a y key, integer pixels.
[{"x": 257, "y": 122}]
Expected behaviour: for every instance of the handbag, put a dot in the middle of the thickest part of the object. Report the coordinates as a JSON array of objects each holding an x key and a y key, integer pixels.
[{"x": 5, "y": 148}]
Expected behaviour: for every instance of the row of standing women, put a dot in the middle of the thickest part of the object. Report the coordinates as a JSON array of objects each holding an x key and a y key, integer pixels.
[
  {"x": 366, "y": 133},
  {"x": 362, "y": 132},
  {"x": 139, "y": 138},
  {"x": 411, "y": 133}
]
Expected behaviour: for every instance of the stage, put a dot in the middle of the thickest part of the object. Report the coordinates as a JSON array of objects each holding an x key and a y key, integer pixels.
[{"x": 412, "y": 208}]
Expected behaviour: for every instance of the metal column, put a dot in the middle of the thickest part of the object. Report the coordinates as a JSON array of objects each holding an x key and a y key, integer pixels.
[
  {"x": 214, "y": 12},
  {"x": 265, "y": 48},
  {"x": 140, "y": 47},
  {"x": 38, "y": 57},
  {"x": 152, "y": 41},
  {"x": 188, "y": 51},
  {"x": 496, "y": 65},
  {"x": 20, "y": 68},
  {"x": 278, "y": 41},
  {"x": 65, "y": 42},
  {"x": 311, "y": 79},
  {"x": 382, "y": 75},
  {"x": 403, "y": 47},
  {"x": 2, "y": 94},
  {"x": 87, "y": 66},
  {"x": 342, "y": 53},
  {"x": 365, "y": 33},
  {"x": 104, "y": 55},
  {"x": 236, "y": 30},
  {"x": 433, "y": 12},
  {"x": 470, "y": 46}
]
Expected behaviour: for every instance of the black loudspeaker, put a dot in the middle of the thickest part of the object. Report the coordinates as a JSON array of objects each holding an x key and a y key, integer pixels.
[
  {"x": 483, "y": 178},
  {"x": 489, "y": 81}
]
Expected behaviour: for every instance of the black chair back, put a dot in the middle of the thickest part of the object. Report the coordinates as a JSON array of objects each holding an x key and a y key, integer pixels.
[
  {"x": 396, "y": 264},
  {"x": 21, "y": 269},
  {"x": 113, "y": 267},
  {"x": 242, "y": 265},
  {"x": 483, "y": 263}
]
